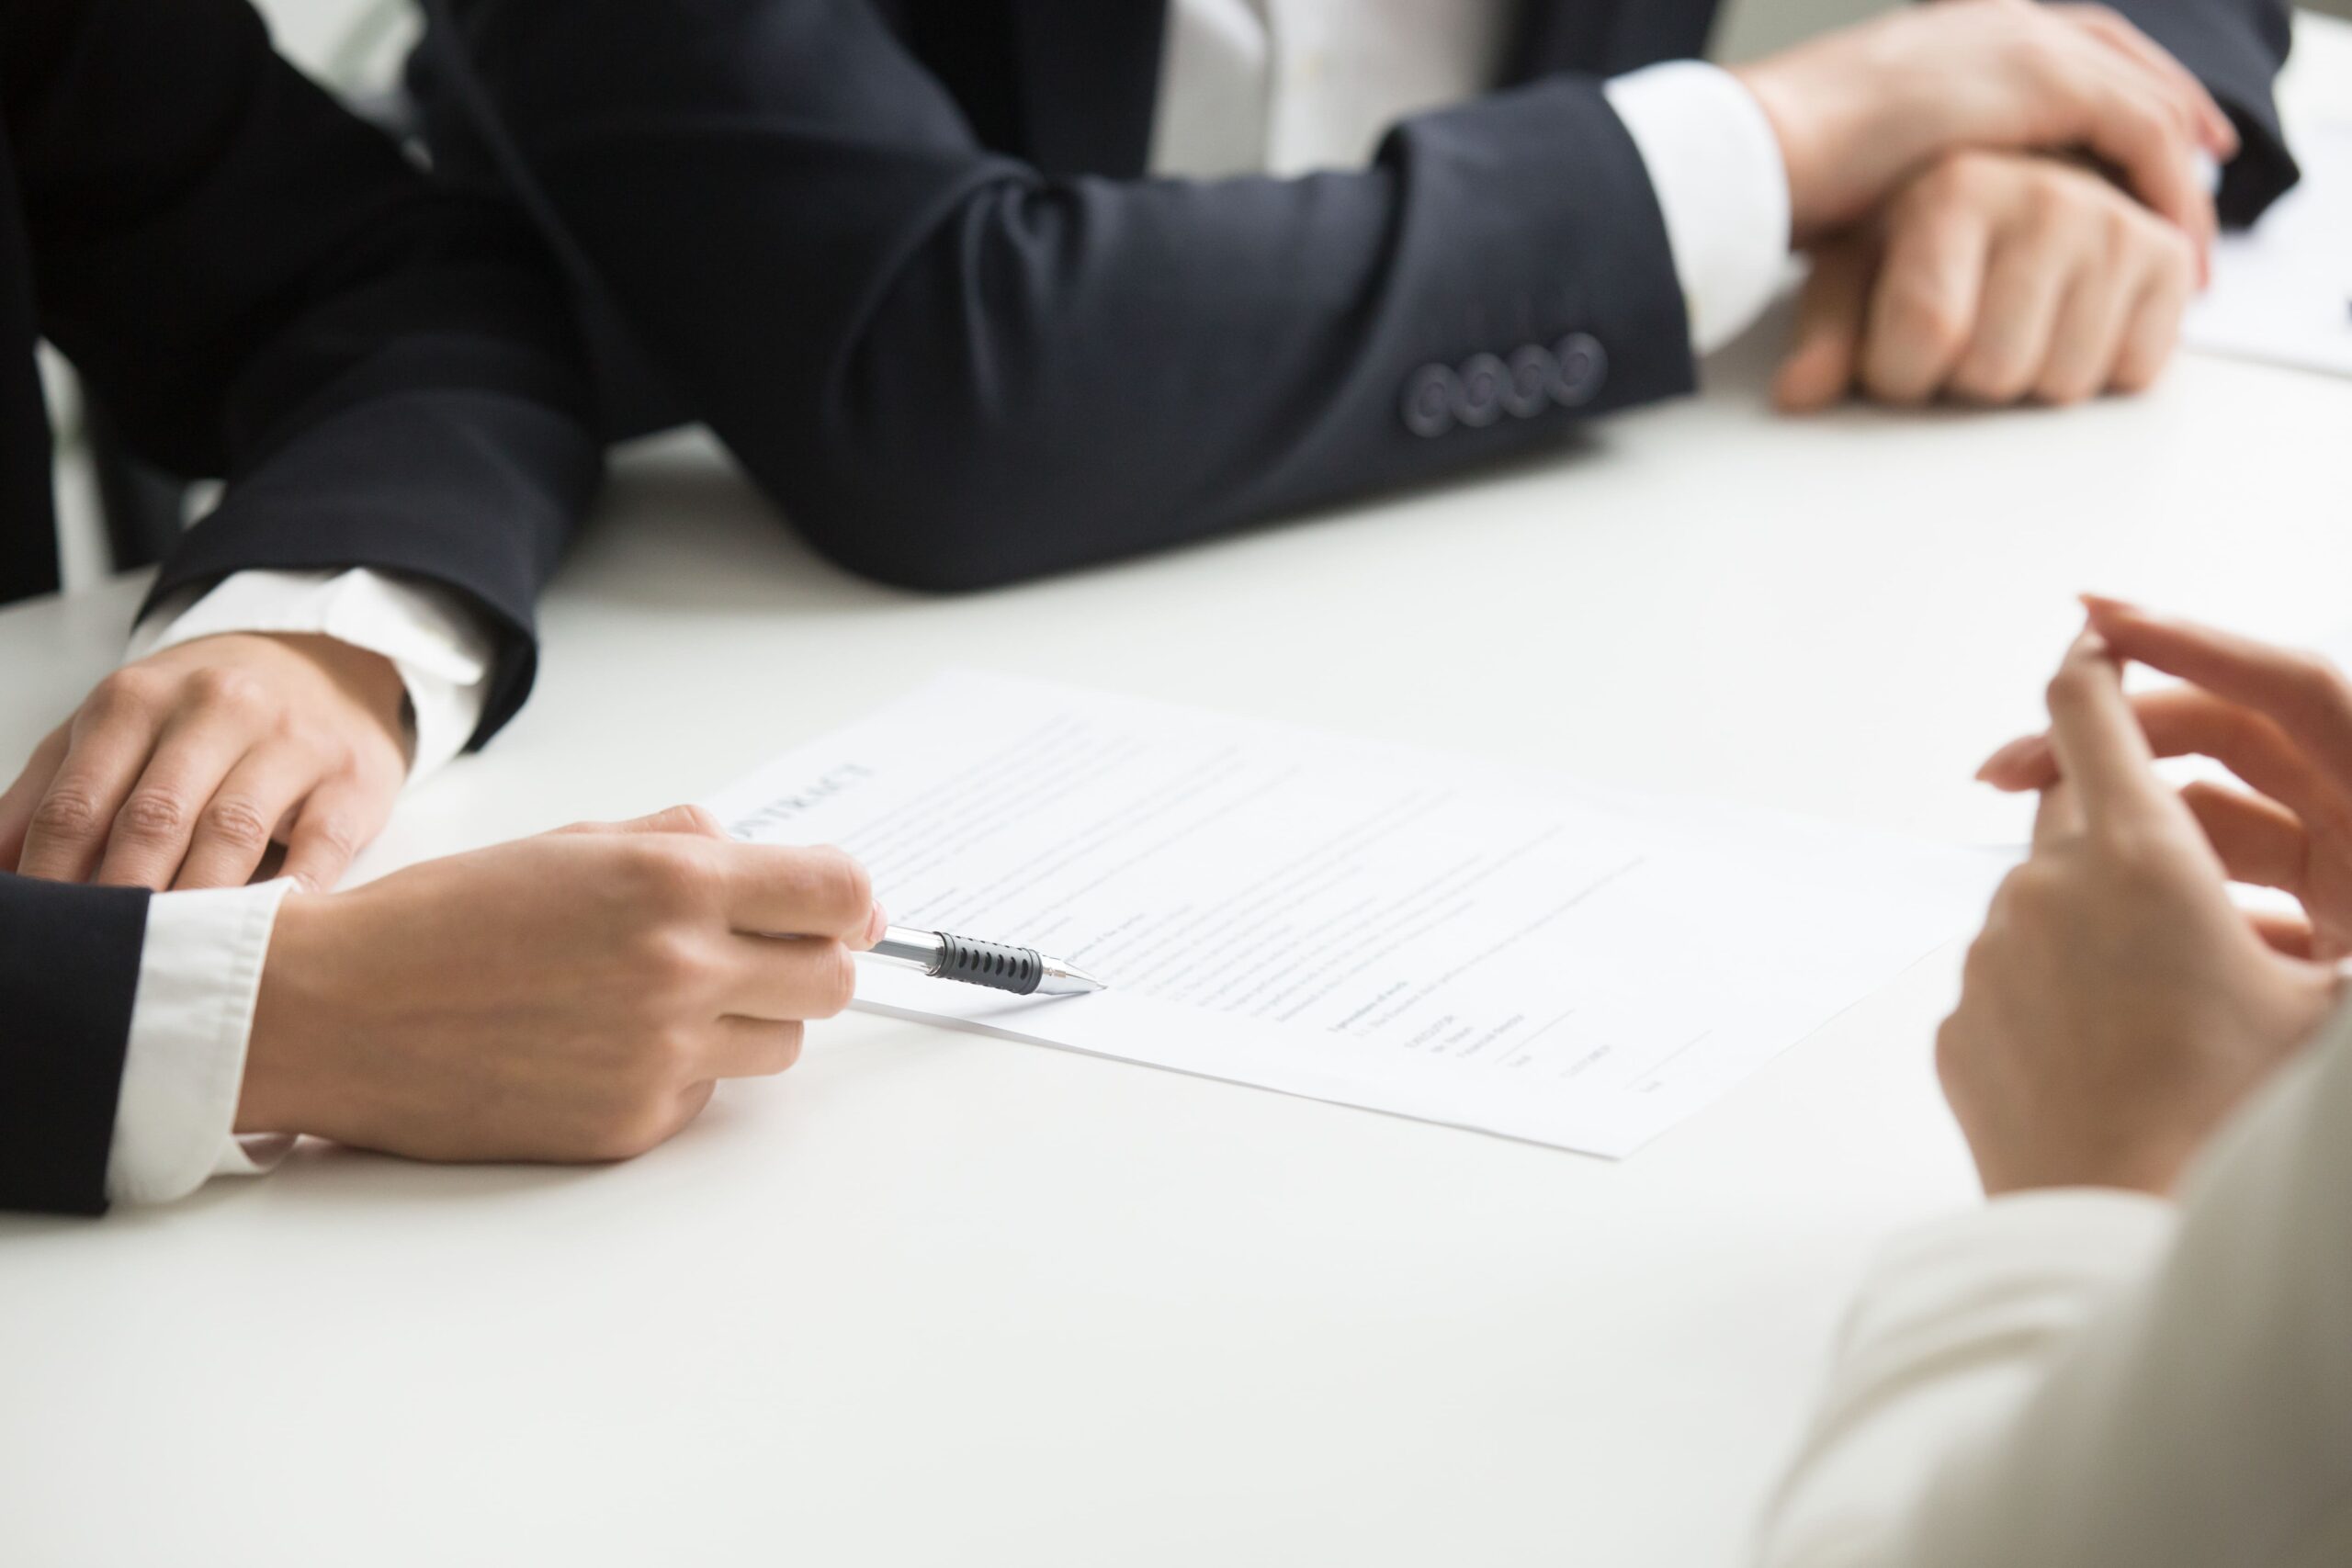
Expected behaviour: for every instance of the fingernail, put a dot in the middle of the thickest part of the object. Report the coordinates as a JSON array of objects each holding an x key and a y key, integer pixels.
[{"x": 878, "y": 925}]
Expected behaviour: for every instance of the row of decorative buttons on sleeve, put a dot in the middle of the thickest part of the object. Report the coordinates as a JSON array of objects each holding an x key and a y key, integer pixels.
[{"x": 1567, "y": 375}]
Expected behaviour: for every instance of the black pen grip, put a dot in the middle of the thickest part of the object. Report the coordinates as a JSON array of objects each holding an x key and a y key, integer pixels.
[{"x": 990, "y": 963}]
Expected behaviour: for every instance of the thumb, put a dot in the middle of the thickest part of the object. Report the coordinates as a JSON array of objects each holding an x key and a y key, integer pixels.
[
  {"x": 691, "y": 819},
  {"x": 1819, "y": 368}
]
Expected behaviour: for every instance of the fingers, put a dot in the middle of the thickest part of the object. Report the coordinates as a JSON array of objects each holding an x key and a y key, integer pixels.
[
  {"x": 787, "y": 979},
  {"x": 2157, "y": 156},
  {"x": 334, "y": 823},
  {"x": 2031, "y": 277},
  {"x": 108, "y": 744},
  {"x": 1820, "y": 369},
  {"x": 2259, "y": 842},
  {"x": 2213, "y": 128},
  {"x": 235, "y": 829},
  {"x": 2155, "y": 326},
  {"x": 689, "y": 819},
  {"x": 2088, "y": 337},
  {"x": 2299, "y": 692},
  {"x": 753, "y": 1048},
  {"x": 2100, "y": 750},
  {"x": 18, "y": 802},
  {"x": 158, "y": 819},
  {"x": 2121, "y": 318},
  {"x": 1924, "y": 305},
  {"x": 790, "y": 891},
  {"x": 2183, "y": 721},
  {"x": 2288, "y": 934},
  {"x": 2055, "y": 816}
]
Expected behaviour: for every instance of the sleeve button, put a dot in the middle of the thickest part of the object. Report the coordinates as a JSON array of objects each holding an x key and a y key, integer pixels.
[
  {"x": 1529, "y": 391},
  {"x": 1479, "y": 388},
  {"x": 1582, "y": 368},
  {"x": 1431, "y": 395}
]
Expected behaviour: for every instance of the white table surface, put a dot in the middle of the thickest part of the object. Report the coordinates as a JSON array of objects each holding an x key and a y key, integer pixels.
[{"x": 939, "y": 1299}]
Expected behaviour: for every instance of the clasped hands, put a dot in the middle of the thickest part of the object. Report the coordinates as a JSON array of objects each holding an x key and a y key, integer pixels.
[{"x": 2003, "y": 201}]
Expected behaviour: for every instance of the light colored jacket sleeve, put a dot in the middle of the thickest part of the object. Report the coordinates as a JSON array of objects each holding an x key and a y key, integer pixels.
[{"x": 2081, "y": 1380}]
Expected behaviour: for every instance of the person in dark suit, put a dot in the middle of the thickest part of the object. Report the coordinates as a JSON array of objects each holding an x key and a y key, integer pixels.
[
  {"x": 261, "y": 287},
  {"x": 979, "y": 289}
]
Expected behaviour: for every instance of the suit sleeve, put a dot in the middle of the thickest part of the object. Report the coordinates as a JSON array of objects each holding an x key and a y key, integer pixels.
[
  {"x": 2078, "y": 1378},
  {"x": 953, "y": 369},
  {"x": 69, "y": 972},
  {"x": 262, "y": 287},
  {"x": 2236, "y": 48}
]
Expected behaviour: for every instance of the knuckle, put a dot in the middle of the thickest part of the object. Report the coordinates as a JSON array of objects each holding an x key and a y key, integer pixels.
[
  {"x": 2026, "y": 895},
  {"x": 2051, "y": 199},
  {"x": 2122, "y": 230},
  {"x": 2066, "y": 688},
  {"x": 1958, "y": 180},
  {"x": 238, "y": 823},
  {"x": 670, "y": 1057},
  {"x": 152, "y": 816},
  {"x": 671, "y": 963},
  {"x": 67, "y": 812},
  {"x": 1926, "y": 314},
  {"x": 2129, "y": 851},
  {"x": 336, "y": 834},
  {"x": 698, "y": 819},
  {"x": 132, "y": 691},
  {"x": 674, "y": 875},
  {"x": 838, "y": 884},
  {"x": 225, "y": 691}
]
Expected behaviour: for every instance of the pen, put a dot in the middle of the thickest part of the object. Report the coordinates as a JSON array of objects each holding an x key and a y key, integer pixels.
[{"x": 1023, "y": 971}]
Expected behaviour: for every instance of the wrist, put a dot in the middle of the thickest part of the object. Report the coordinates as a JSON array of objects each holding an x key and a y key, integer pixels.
[
  {"x": 1803, "y": 118},
  {"x": 291, "y": 1081}
]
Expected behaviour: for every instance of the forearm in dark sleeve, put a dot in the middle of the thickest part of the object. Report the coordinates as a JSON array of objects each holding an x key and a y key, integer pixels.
[
  {"x": 69, "y": 972},
  {"x": 262, "y": 287},
  {"x": 954, "y": 370}
]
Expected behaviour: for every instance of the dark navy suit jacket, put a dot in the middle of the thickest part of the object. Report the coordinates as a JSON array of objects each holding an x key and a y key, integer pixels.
[
  {"x": 261, "y": 288},
  {"x": 900, "y": 254}
]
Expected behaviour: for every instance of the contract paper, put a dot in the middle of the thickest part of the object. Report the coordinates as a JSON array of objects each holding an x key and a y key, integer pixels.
[
  {"x": 1356, "y": 921},
  {"x": 2282, "y": 291}
]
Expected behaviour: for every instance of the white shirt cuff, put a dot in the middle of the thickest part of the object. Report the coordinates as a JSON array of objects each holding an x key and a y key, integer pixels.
[
  {"x": 1715, "y": 164},
  {"x": 183, "y": 1065},
  {"x": 442, "y": 651}
]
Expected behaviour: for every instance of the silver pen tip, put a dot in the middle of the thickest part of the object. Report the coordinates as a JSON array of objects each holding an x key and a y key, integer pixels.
[{"x": 1066, "y": 980}]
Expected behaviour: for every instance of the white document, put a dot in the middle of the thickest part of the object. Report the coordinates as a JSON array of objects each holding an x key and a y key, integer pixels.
[
  {"x": 2282, "y": 291},
  {"x": 1356, "y": 921}
]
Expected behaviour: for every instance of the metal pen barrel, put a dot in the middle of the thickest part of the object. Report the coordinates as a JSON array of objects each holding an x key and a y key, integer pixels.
[{"x": 999, "y": 966}]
